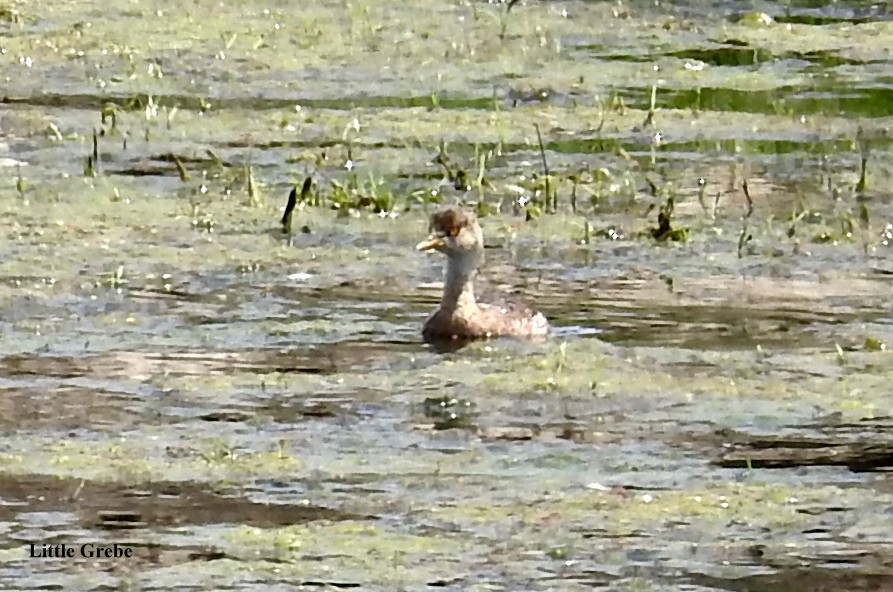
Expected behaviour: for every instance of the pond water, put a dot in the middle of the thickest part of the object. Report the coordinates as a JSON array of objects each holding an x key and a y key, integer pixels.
[{"x": 246, "y": 409}]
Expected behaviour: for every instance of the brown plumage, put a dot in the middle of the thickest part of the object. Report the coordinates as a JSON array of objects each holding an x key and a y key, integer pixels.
[{"x": 457, "y": 234}]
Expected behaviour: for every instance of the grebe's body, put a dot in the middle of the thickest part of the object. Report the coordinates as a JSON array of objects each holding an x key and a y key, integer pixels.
[{"x": 457, "y": 234}]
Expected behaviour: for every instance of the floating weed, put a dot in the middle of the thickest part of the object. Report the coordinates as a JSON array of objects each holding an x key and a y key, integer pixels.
[
  {"x": 562, "y": 553},
  {"x": 219, "y": 451},
  {"x": 286, "y": 539},
  {"x": 221, "y": 455},
  {"x": 873, "y": 344},
  {"x": 361, "y": 548},
  {"x": 755, "y": 19},
  {"x": 109, "y": 460},
  {"x": 133, "y": 461}
]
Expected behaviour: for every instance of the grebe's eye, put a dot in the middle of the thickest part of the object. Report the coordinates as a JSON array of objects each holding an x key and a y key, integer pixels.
[{"x": 453, "y": 231}]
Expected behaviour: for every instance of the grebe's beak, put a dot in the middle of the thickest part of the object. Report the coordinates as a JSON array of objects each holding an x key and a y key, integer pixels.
[{"x": 432, "y": 243}]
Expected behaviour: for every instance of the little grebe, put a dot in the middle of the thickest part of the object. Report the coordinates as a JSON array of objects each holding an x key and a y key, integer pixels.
[{"x": 456, "y": 234}]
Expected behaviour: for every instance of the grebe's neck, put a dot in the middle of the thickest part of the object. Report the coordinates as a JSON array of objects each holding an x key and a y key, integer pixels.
[{"x": 458, "y": 289}]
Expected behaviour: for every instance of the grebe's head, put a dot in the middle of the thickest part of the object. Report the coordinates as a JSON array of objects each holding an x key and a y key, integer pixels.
[{"x": 454, "y": 232}]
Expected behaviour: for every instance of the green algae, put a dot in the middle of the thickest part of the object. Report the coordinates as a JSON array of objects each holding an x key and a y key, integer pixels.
[
  {"x": 121, "y": 460},
  {"x": 621, "y": 513}
]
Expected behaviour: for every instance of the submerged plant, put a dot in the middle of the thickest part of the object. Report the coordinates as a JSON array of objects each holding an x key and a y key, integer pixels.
[
  {"x": 293, "y": 201},
  {"x": 457, "y": 176},
  {"x": 744, "y": 236},
  {"x": 649, "y": 119},
  {"x": 449, "y": 412},
  {"x": 504, "y": 18},
  {"x": 91, "y": 165},
  {"x": 116, "y": 278},
  {"x": 10, "y": 15},
  {"x": 20, "y": 182},
  {"x": 254, "y": 199},
  {"x": 181, "y": 170},
  {"x": 862, "y": 144},
  {"x": 664, "y": 230},
  {"x": 108, "y": 114},
  {"x": 551, "y": 198},
  {"x": 373, "y": 194}
]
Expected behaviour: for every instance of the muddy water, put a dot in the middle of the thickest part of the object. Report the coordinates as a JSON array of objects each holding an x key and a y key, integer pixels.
[{"x": 247, "y": 410}]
